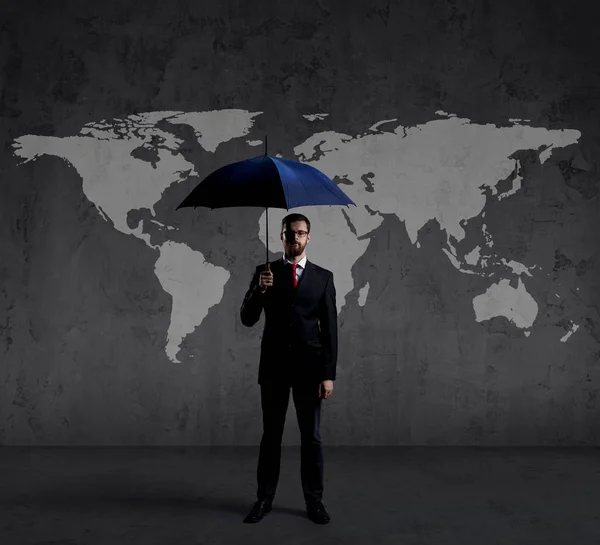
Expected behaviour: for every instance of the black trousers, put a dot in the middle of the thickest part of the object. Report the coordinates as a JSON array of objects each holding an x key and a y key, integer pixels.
[{"x": 274, "y": 402}]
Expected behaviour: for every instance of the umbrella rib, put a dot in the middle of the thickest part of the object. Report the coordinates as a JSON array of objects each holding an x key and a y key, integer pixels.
[
  {"x": 312, "y": 198},
  {"x": 329, "y": 189},
  {"x": 286, "y": 191}
]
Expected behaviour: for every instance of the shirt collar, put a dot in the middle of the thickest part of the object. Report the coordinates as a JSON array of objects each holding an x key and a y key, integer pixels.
[{"x": 301, "y": 263}]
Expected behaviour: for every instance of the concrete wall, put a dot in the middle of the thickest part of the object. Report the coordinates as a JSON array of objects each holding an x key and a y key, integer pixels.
[{"x": 85, "y": 311}]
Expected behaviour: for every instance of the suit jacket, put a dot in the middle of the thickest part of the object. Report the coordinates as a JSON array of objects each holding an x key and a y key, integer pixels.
[{"x": 299, "y": 340}]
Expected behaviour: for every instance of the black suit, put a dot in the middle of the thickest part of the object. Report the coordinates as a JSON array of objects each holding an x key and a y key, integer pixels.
[{"x": 298, "y": 350}]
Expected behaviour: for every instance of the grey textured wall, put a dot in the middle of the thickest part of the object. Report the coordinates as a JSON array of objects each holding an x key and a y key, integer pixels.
[{"x": 83, "y": 319}]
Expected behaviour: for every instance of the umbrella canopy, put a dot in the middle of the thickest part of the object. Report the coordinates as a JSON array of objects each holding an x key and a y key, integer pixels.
[{"x": 266, "y": 181}]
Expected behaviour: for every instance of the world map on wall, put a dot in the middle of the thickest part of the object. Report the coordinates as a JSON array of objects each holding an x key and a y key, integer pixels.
[{"x": 439, "y": 170}]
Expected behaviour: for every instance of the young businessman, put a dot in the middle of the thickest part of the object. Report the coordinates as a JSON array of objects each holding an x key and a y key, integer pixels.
[{"x": 298, "y": 352}]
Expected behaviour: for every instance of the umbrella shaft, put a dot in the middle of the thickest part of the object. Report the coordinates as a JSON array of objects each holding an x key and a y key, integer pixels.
[{"x": 267, "y": 210}]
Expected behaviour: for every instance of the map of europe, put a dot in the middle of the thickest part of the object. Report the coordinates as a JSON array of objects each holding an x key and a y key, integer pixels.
[{"x": 439, "y": 170}]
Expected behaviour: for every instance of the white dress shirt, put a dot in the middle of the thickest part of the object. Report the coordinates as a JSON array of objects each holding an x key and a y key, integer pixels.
[{"x": 300, "y": 268}]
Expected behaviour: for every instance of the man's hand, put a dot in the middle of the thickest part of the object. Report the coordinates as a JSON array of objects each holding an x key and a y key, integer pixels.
[
  {"x": 266, "y": 279},
  {"x": 325, "y": 388}
]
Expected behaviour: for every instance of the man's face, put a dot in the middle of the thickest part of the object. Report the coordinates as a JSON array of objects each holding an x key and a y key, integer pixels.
[{"x": 295, "y": 237}]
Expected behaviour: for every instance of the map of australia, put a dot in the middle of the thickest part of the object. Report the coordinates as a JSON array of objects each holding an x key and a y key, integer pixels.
[{"x": 440, "y": 170}]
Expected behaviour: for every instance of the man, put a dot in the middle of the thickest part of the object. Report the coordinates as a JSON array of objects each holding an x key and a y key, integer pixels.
[{"x": 298, "y": 351}]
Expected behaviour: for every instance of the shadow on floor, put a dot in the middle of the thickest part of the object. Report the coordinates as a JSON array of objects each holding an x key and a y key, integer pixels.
[{"x": 96, "y": 496}]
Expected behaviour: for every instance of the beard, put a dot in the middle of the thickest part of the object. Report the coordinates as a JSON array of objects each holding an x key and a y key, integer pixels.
[{"x": 295, "y": 249}]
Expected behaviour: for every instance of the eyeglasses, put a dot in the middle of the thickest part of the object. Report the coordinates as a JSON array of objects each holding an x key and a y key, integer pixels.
[{"x": 290, "y": 234}]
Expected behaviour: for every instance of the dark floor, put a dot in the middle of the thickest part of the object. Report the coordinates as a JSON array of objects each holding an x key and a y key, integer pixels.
[{"x": 400, "y": 496}]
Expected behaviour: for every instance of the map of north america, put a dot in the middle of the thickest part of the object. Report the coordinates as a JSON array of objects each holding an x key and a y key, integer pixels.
[{"x": 439, "y": 170}]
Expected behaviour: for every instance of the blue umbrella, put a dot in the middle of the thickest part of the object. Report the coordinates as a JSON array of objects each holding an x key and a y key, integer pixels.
[{"x": 266, "y": 181}]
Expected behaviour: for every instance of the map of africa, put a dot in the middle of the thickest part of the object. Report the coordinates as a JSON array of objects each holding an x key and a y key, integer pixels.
[{"x": 439, "y": 170}]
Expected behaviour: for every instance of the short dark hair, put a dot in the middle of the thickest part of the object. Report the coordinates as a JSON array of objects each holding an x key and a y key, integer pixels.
[{"x": 291, "y": 218}]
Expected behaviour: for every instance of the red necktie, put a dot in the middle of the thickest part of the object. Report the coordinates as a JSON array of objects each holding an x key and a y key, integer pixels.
[{"x": 294, "y": 265}]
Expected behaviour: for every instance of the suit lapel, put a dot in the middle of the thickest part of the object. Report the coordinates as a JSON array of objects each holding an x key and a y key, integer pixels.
[{"x": 280, "y": 270}]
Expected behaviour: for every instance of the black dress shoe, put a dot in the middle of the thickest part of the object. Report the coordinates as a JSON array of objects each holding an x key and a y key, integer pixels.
[
  {"x": 258, "y": 511},
  {"x": 316, "y": 512}
]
